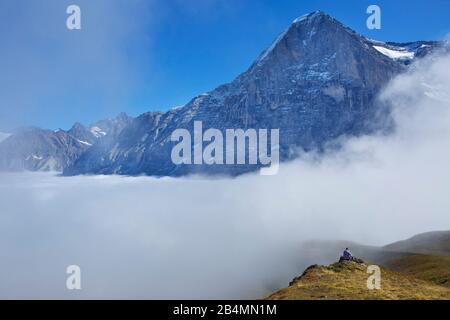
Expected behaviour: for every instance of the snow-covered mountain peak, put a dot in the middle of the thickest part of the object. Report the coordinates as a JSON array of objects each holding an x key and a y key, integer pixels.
[{"x": 308, "y": 35}]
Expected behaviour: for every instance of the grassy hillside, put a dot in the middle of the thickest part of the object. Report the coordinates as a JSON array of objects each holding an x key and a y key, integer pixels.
[
  {"x": 437, "y": 243},
  {"x": 348, "y": 281},
  {"x": 431, "y": 268},
  {"x": 416, "y": 268}
]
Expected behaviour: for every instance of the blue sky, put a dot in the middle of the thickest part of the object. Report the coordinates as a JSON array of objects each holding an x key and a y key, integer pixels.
[{"x": 142, "y": 55}]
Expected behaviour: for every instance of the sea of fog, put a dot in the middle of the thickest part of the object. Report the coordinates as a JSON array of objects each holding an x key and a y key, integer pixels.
[{"x": 205, "y": 238}]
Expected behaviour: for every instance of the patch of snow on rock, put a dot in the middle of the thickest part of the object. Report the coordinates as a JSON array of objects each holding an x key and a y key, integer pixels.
[
  {"x": 395, "y": 54},
  {"x": 85, "y": 143},
  {"x": 97, "y": 132}
]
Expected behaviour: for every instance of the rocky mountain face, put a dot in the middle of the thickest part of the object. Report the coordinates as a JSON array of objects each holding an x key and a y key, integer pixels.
[
  {"x": 35, "y": 149},
  {"x": 316, "y": 82}
]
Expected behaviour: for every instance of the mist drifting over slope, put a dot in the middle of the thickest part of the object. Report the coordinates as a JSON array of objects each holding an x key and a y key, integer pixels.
[{"x": 140, "y": 237}]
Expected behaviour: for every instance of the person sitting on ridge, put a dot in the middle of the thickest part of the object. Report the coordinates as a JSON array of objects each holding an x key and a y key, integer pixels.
[{"x": 347, "y": 255}]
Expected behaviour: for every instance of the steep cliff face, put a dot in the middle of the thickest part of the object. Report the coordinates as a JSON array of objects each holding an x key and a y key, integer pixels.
[{"x": 318, "y": 81}]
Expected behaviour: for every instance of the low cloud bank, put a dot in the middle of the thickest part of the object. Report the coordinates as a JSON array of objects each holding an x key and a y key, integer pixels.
[{"x": 238, "y": 238}]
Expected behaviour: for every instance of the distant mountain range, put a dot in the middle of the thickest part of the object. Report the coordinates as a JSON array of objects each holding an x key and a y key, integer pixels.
[
  {"x": 318, "y": 81},
  {"x": 35, "y": 149}
]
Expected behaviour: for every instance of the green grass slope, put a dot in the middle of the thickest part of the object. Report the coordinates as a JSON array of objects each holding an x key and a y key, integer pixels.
[
  {"x": 436, "y": 243},
  {"x": 416, "y": 268},
  {"x": 348, "y": 281},
  {"x": 435, "y": 269}
]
